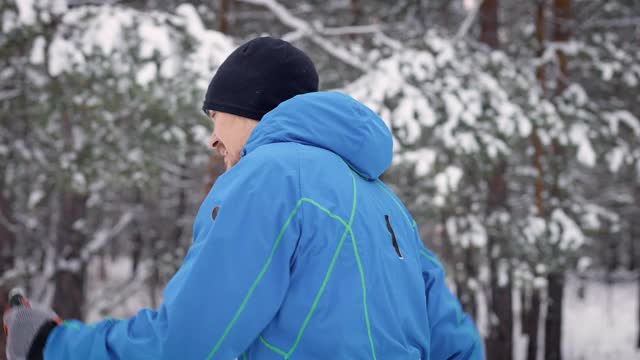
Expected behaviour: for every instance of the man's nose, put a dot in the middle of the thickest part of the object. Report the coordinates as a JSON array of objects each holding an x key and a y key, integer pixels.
[{"x": 213, "y": 140}]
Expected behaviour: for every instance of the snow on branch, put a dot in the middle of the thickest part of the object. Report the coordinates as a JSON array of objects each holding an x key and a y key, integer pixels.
[
  {"x": 9, "y": 94},
  {"x": 349, "y": 30},
  {"x": 301, "y": 28},
  {"x": 11, "y": 276},
  {"x": 103, "y": 236}
]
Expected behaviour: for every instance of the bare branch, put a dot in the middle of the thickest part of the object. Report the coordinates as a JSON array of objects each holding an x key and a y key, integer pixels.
[
  {"x": 468, "y": 21},
  {"x": 302, "y": 28},
  {"x": 282, "y": 13},
  {"x": 613, "y": 23}
]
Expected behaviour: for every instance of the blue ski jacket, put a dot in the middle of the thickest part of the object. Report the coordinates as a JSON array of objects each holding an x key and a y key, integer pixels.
[{"x": 299, "y": 252}]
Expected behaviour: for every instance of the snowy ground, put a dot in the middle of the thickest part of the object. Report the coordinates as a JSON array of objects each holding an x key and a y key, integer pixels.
[{"x": 603, "y": 326}]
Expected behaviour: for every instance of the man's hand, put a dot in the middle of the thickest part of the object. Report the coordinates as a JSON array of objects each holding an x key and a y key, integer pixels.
[{"x": 27, "y": 331}]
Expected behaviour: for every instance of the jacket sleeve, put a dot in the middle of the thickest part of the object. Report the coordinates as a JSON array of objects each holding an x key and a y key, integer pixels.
[
  {"x": 453, "y": 334},
  {"x": 229, "y": 287}
]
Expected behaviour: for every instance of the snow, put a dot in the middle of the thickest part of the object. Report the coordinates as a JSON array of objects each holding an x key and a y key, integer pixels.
[
  {"x": 107, "y": 30},
  {"x": 156, "y": 38},
  {"x": 630, "y": 120},
  {"x": 584, "y": 263},
  {"x": 71, "y": 265},
  {"x": 615, "y": 158},
  {"x": 468, "y": 142},
  {"x": 540, "y": 282},
  {"x": 614, "y": 119},
  {"x": 26, "y": 11},
  {"x": 423, "y": 160},
  {"x": 601, "y": 326},
  {"x": 200, "y": 133},
  {"x": 469, "y": 4},
  {"x": 121, "y": 294},
  {"x": 503, "y": 273},
  {"x": 630, "y": 79},
  {"x": 38, "y": 50},
  {"x": 607, "y": 70},
  {"x": 578, "y": 94},
  {"x": 565, "y": 230},
  {"x": 579, "y": 135},
  {"x": 404, "y": 116},
  {"x": 35, "y": 197},
  {"x": 467, "y": 231},
  {"x": 62, "y": 55},
  {"x": 78, "y": 181},
  {"x": 604, "y": 325},
  {"x": 448, "y": 180},
  {"x": 135, "y": 156},
  {"x": 146, "y": 74},
  {"x": 534, "y": 229}
]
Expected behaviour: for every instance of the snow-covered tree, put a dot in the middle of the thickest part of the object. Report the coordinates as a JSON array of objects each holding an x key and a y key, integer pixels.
[{"x": 104, "y": 105}]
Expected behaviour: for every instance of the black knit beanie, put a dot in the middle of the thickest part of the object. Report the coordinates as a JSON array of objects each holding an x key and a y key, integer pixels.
[{"x": 258, "y": 76}]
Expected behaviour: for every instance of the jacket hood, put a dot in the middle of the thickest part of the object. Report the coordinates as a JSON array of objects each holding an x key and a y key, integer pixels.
[{"x": 332, "y": 121}]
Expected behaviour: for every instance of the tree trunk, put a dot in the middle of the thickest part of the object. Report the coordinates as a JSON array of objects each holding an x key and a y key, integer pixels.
[
  {"x": 530, "y": 325},
  {"x": 541, "y": 7},
  {"x": 489, "y": 23},
  {"x": 137, "y": 242},
  {"x": 500, "y": 342},
  {"x": 465, "y": 270},
  {"x": 69, "y": 278},
  {"x": 561, "y": 33},
  {"x": 68, "y": 298},
  {"x": 635, "y": 236},
  {"x": 470, "y": 305},
  {"x": 532, "y": 313},
  {"x": 223, "y": 13},
  {"x": 356, "y": 11},
  {"x": 553, "y": 323}
]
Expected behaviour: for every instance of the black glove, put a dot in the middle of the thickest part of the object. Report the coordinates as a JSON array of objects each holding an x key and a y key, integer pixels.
[{"x": 27, "y": 331}]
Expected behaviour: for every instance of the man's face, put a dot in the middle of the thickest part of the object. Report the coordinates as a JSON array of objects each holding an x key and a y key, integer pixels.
[{"x": 229, "y": 135}]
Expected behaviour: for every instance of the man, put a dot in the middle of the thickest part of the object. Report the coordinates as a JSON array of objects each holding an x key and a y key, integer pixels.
[{"x": 299, "y": 250}]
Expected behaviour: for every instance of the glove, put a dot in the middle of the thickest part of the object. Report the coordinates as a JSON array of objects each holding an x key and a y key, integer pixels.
[{"x": 27, "y": 331}]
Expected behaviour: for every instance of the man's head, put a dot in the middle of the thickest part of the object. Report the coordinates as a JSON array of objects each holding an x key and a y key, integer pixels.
[{"x": 252, "y": 81}]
